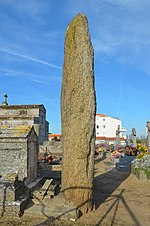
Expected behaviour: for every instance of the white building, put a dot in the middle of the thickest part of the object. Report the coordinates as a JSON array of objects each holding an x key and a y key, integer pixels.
[{"x": 106, "y": 127}]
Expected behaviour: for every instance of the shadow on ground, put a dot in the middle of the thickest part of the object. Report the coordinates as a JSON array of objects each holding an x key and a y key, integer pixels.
[
  {"x": 106, "y": 183},
  {"x": 98, "y": 159},
  {"x": 114, "y": 207}
]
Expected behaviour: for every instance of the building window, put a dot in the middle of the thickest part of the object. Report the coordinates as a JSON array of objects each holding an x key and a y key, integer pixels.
[
  {"x": 97, "y": 133},
  {"x": 97, "y": 126},
  {"x": 103, "y": 119},
  {"x": 104, "y": 126}
]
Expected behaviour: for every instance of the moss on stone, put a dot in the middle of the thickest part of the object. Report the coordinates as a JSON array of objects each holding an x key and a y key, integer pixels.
[{"x": 18, "y": 130}]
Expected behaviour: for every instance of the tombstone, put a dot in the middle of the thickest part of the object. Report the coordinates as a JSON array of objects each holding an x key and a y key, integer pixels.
[
  {"x": 18, "y": 167},
  {"x": 133, "y": 137},
  {"x": 125, "y": 163},
  {"x": 33, "y": 114},
  {"x": 78, "y": 109},
  {"x": 148, "y": 136},
  {"x": 127, "y": 140},
  {"x": 118, "y": 136}
]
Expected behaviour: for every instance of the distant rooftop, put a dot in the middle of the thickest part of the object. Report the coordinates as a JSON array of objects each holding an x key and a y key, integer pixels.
[{"x": 103, "y": 115}]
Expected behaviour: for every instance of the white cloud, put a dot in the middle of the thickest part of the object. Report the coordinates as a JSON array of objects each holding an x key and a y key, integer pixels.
[
  {"x": 114, "y": 23},
  {"x": 30, "y": 58},
  {"x": 47, "y": 79}
]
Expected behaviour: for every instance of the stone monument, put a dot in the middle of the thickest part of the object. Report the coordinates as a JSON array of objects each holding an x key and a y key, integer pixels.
[
  {"x": 133, "y": 137},
  {"x": 148, "y": 136},
  {"x": 5, "y": 100},
  {"x": 78, "y": 109},
  {"x": 127, "y": 140},
  {"x": 118, "y": 136}
]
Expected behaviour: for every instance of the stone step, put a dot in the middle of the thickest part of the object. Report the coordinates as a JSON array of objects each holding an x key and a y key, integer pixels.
[
  {"x": 39, "y": 194},
  {"x": 56, "y": 208},
  {"x": 32, "y": 185}
]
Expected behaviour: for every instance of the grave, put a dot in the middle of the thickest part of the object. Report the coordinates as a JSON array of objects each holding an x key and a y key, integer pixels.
[
  {"x": 118, "y": 143},
  {"x": 27, "y": 115},
  {"x": 133, "y": 137},
  {"x": 18, "y": 167},
  {"x": 124, "y": 163}
]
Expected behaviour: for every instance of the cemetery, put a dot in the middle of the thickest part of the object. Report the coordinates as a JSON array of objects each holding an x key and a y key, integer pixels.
[
  {"x": 128, "y": 158},
  {"x": 76, "y": 181}
]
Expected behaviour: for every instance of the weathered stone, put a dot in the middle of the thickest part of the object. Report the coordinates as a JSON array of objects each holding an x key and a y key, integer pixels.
[
  {"x": 78, "y": 109},
  {"x": 18, "y": 154},
  {"x": 118, "y": 143},
  {"x": 39, "y": 194},
  {"x": 133, "y": 137},
  {"x": 34, "y": 115},
  {"x": 56, "y": 207},
  {"x": 124, "y": 163},
  {"x": 53, "y": 147},
  {"x": 5, "y": 100}
]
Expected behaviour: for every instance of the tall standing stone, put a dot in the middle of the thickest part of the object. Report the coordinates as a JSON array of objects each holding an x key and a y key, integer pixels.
[{"x": 78, "y": 109}]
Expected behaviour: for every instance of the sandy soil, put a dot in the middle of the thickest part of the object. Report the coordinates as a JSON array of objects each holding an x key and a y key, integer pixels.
[{"x": 120, "y": 200}]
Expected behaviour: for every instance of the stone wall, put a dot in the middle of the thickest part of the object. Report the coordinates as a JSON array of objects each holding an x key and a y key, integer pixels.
[
  {"x": 18, "y": 155},
  {"x": 53, "y": 147},
  {"x": 18, "y": 167},
  {"x": 13, "y": 158}
]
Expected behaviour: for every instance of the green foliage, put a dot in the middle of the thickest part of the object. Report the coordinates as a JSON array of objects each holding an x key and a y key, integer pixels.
[{"x": 147, "y": 172}]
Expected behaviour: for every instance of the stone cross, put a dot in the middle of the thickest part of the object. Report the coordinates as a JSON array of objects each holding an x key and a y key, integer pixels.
[
  {"x": 118, "y": 136},
  {"x": 78, "y": 109},
  {"x": 133, "y": 137},
  {"x": 5, "y": 100},
  {"x": 148, "y": 136}
]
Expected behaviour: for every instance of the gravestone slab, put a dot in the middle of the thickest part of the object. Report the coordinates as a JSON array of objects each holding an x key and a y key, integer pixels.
[{"x": 125, "y": 163}]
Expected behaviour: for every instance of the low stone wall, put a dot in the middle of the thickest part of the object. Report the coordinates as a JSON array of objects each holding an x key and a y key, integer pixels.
[
  {"x": 13, "y": 198},
  {"x": 53, "y": 147}
]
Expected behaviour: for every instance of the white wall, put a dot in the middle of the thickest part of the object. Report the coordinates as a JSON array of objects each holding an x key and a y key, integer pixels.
[{"x": 106, "y": 126}]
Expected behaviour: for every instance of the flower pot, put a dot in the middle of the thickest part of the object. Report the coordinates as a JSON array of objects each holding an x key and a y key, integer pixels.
[{"x": 108, "y": 154}]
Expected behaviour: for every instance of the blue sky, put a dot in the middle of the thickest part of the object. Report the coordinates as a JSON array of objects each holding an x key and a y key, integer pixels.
[{"x": 32, "y": 54}]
